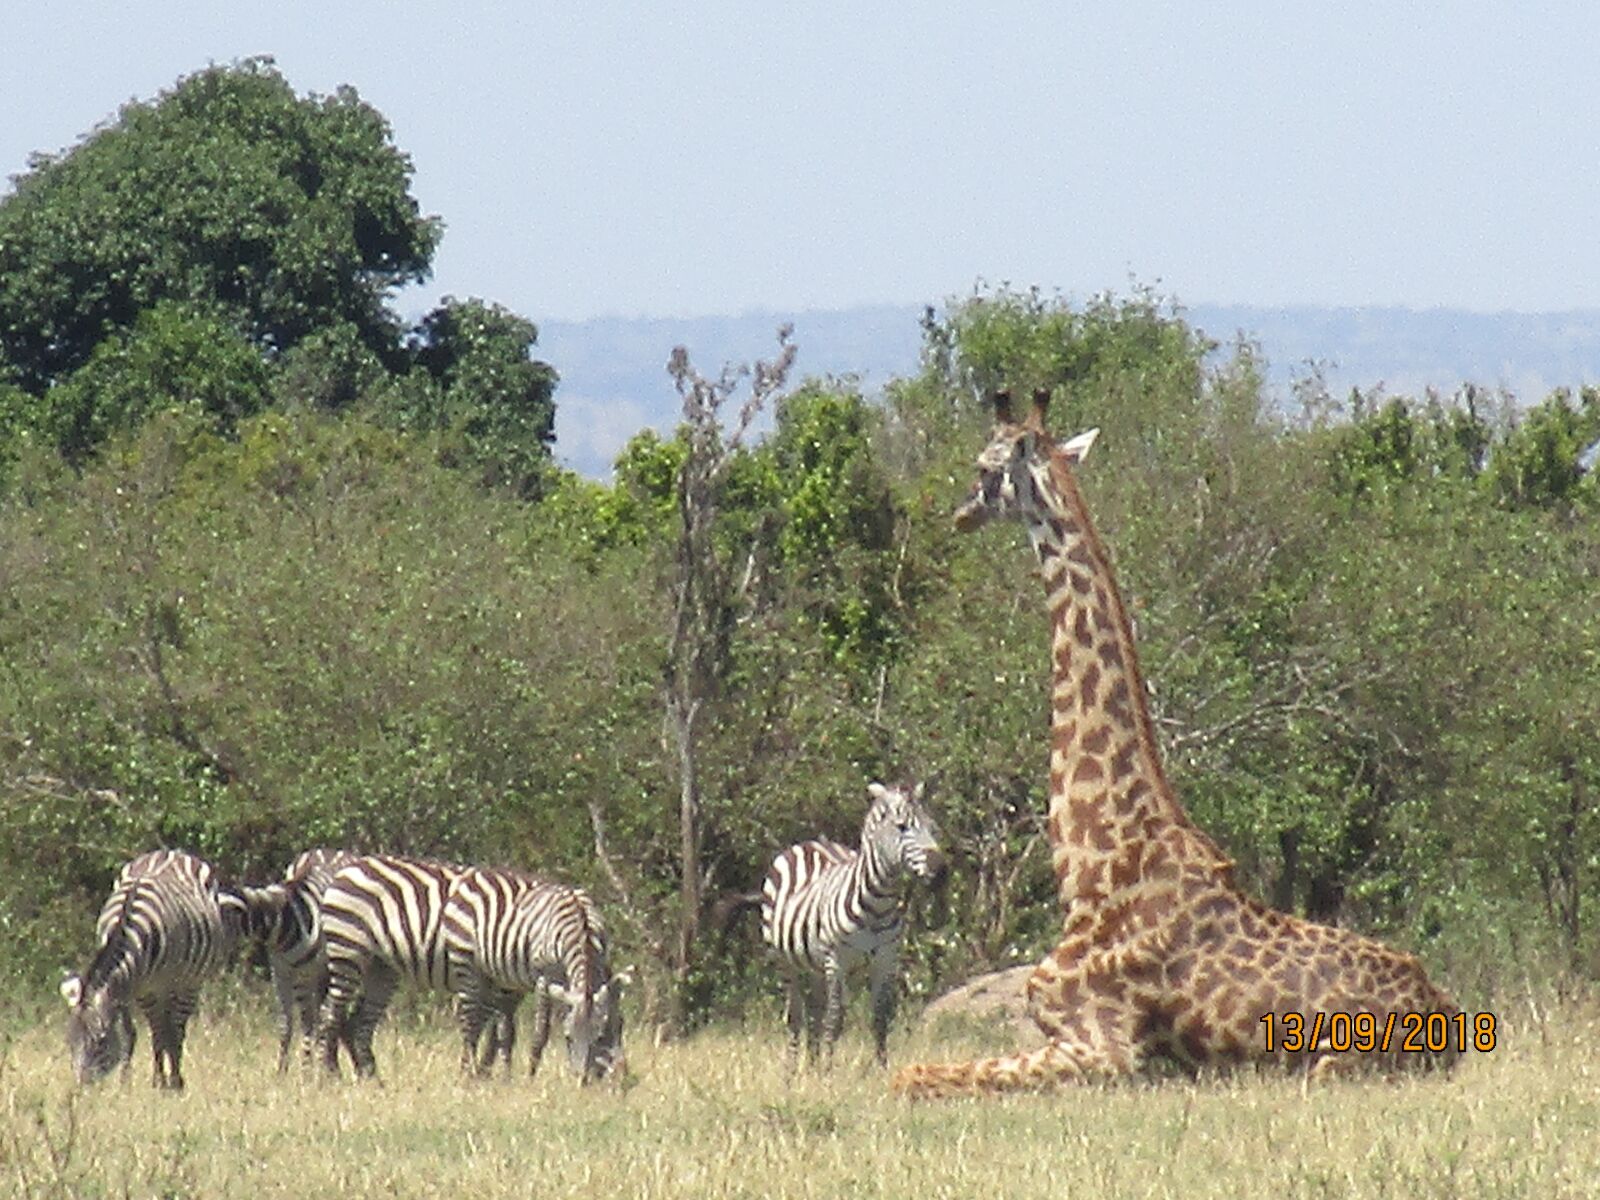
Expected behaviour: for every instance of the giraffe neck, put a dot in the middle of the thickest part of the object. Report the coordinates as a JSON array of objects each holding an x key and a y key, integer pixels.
[{"x": 1114, "y": 823}]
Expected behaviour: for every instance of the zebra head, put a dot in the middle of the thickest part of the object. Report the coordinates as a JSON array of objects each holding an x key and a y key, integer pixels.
[
  {"x": 98, "y": 1030},
  {"x": 1015, "y": 462},
  {"x": 594, "y": 1030},
  {"x": 900, "y": 833}
]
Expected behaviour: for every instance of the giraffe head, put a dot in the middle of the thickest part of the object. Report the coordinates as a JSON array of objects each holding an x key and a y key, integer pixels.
[
  {"x": 901, "y": 831},
  {"x": 1015, "y": 464}
]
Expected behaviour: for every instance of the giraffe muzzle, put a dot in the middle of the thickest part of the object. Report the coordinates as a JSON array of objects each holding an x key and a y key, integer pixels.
[{"x": 973, "y": 514}]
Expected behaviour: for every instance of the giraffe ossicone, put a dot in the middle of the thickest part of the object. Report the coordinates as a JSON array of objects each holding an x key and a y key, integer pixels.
[{"x": 1162, "y": 955}]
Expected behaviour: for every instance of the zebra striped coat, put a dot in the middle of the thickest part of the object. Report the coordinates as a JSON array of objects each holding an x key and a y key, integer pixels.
[
  {"x": 825, "y": 907},
  {"x": 382, "y": 926},
  {"x": 508, "y": 933},
  {"x": 291, "y": 929},
  {"x": 160, "y": 935}
]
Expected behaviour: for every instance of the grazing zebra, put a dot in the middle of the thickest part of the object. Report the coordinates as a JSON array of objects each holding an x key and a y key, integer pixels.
[
  {"x": 287, "y": 918},
  {"x": 160, "y": 935},
  {"x": 825, "y": 906},
  {"x": 381, "y": 927},
  {"x": 506, "y": 934}
]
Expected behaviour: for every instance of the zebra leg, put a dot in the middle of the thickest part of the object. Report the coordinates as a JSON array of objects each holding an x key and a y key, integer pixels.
[
  {"x": 506, "y": 1030},
  {"x": 309, "y": 991},
  {"x": 333, "y": 1017},
  {"x": 541, "y": 1027},
  {"x": 471, "y": 1016},
  {"x": 833, "y": 1014},
  {"x": 284, "y": 989},
  {"x": 794, "y": 1012},
  {"x": 130, "y": 1038},
  {"x": 375, "y": 996},
  {"x": 884, "y": 974},
  {"x": 179, "y": 1010},
  {"x": 155, "y": 1016}
]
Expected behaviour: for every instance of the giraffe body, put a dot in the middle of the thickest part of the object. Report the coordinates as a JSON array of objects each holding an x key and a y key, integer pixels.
[{"x": 1162, "y": 955}]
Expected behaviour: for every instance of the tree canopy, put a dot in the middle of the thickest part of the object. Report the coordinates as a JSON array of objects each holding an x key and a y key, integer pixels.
[{"x": 291, "y": 213}]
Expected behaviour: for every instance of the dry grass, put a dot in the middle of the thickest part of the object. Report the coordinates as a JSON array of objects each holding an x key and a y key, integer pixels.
[{"x": 717, "y": 1117}]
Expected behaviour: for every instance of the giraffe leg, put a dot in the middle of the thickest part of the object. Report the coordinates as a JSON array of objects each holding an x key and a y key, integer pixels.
[
  {"x": 1085, "y": 1042},
  {"x": 1056, "y": 1063}
]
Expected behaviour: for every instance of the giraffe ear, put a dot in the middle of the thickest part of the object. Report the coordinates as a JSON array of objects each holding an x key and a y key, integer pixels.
[
  {"x": 1041, "y": 403},
  {"x": 1077, "y": 449}
]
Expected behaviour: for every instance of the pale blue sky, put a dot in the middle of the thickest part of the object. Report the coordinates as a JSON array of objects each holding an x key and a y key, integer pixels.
[{"x": 677, "y": 159}]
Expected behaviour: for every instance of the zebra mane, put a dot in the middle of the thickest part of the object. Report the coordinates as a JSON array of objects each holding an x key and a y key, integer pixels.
[{"x": 112, "y": 952}]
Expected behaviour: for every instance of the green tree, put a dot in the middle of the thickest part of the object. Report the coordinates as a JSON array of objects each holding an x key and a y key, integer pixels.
[
  {"x": 489, "y": 395},
  {"x": 174, "y": 354},
  {"x": 291, "y": 213}
]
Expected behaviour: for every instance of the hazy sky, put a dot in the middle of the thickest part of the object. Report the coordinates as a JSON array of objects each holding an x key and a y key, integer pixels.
[{"x": 686, "y": 158}]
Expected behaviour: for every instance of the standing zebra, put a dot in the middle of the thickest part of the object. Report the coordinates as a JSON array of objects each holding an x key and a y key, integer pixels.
[
  {"x": 292, "y": 932},
  {"x": 161, "y": 934},
  {"x": 825, "y": 906},
  {"x": 381, "y": 927},
  {"x": 507, "y": 933}
]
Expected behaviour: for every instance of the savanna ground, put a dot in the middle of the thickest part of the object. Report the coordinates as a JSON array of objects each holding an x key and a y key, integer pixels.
[{"x": 717, "y": 1116}]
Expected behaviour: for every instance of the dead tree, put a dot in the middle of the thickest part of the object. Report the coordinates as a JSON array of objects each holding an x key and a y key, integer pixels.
[{"x": 702, "y": 607}]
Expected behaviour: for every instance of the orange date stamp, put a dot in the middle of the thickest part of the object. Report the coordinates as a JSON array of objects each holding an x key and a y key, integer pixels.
[{"x": 1365, "y": 1032}]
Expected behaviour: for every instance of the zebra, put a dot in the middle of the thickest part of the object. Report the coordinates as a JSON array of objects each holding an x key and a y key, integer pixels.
[
  {"x": 507, "y": 933},
  {"x": 381, "y": 927},
  {"x": 166, "y": 928},
  {"x": 825, "y": 906},
  {"x": 287, "y": 918}
]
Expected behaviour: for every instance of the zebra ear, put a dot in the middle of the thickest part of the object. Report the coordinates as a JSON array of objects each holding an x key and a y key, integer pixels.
[
  {"x": 919, "y": 790},
  {"x": 72, "y": 990},
  {"x": 876, "y": 790}
]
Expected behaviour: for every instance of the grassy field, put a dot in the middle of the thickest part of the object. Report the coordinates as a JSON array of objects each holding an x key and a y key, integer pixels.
[{"x": 719, "y": 1117}]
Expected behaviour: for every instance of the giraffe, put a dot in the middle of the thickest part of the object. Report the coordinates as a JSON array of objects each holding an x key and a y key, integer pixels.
[{"x": 1162, "y": 955}]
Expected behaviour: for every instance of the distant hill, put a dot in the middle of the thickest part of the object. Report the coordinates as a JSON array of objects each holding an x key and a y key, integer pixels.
[{"x": 614, "y": 380}]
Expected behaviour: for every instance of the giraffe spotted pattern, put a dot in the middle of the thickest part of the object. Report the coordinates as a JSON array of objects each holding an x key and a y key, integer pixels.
[{"x": 1162, "y": 955}]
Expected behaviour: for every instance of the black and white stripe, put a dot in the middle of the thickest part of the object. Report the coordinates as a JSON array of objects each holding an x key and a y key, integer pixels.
[
  {"x": 287, "y": 918},
  {"x": 507, "y": 934},
  {"x": 160, "y": 935},
  {"x": 382, "y": 926},
  {"x": 825, "y": 906}
]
